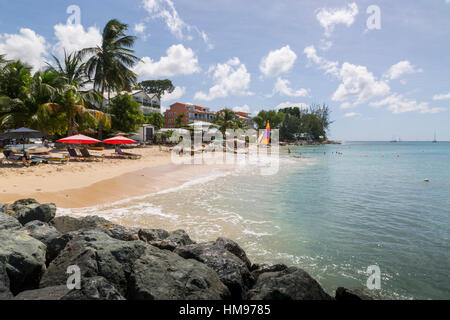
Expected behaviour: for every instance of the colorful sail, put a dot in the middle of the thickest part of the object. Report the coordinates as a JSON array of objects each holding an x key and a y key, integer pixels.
[{"x": 266, "y": 138}]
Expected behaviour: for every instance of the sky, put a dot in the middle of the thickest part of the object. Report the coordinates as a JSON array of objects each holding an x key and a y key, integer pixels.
[{"x": 383, "y": 67}]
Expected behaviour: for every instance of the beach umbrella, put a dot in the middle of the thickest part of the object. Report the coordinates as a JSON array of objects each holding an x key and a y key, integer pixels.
[
  {"x": 118, "y": 140},
  {"x": 78, "y": 139},
  {"x": 21, "y": 133}
]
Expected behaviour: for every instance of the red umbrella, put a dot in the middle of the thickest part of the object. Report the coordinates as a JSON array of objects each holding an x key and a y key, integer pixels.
[
  {"x": 79, "y": 139},
  {"x": 118, "y": 140}
]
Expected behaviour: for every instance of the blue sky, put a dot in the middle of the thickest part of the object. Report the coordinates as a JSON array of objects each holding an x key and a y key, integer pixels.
[{"x": 391, "y": 79}]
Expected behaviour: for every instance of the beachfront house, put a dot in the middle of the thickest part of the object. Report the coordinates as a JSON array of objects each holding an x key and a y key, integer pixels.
[
  {"x": 191, "y": 113},
  {"x": 149, "y": 103}
]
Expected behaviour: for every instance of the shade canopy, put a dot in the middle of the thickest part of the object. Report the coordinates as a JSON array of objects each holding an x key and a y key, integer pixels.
[
  {"x": 78, "y": 139},
  {"x": 118, "y": 140},
  {"x": 21, "y": 133}
]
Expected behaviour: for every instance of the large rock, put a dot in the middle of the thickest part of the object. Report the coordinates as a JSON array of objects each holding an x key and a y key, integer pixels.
[
  {"x": 232, "y": 269},
  {"x": 165, "y": 240},
  {"x": 66, "y": 224},
  {"x": 120, "y": 232},
  {"x": 96, "y": 288},
  {"x": 41, "y": 231},
  {"x": 289, "y": 284},
  {"x": 32, "y": 212},
  {"x": 351, "y": 294},
  {"x": 24, "y": 258},
  {"x": 20, "y": 204},
  {"x": 135, "y": 268},
  {"x": 5, "y": 293},
  {"x": 257, "y": 270},
  {"x": 8, "y": 222},
  {"x": 3, "y": 208},
  {"x": 161, "y": 274}
]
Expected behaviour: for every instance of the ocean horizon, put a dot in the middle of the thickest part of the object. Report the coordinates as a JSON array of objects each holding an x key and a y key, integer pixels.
[{"x": 333, "y": 210}]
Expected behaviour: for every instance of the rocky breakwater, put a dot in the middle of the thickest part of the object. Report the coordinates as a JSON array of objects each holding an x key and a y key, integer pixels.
[{"x": 115, "y": 262}]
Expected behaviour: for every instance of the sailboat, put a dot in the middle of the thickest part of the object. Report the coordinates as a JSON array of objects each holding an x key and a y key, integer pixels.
[
  {"x": 434, "y": 140},
  {"x": 265, "y": 137}
]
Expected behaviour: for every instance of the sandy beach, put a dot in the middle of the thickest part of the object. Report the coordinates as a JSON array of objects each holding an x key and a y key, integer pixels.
[{"x": 80, "y": 184}]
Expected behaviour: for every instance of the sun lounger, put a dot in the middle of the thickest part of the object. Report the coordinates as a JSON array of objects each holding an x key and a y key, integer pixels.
[
  {"x": 126, "y": 154},
  {"x": 12, "y": 158},
  {"x": 87, "y": 155},
  {"x": 51, "y": 159},
  {"x": 74, "y": 155}
]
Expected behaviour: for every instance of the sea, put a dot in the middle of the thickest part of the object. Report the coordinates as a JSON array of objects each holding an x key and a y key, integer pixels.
[{"x": 333, "y": 210}]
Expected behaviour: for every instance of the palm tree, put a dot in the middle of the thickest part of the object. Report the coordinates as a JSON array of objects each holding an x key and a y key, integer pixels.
[
  {"x": 109, "y": 64},
  {"x": 72, "y": 71},
  {"x": 179, "y": 120},
  {"x": 69, "y": 104},
  {"x": 21, "y": 95},
  {"x": 227, "y": 119}
]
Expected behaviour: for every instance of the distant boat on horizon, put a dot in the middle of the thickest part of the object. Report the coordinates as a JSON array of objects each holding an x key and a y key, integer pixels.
[
  {"x": 434, "y": 140},
  {"x": 395, "y": 140}
]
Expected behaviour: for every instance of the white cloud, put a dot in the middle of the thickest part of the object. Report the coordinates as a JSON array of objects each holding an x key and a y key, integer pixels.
[
  {"x": 351, "y": 114},
  {"x": 282, "y": 87},
  {"x": 139, "y": 27},
  {"x": 177, "y": 93},
  {"x": 358, "y": 84},
  {"x": 331, "y": 67},
  {"x": 230, "y": 78},
  {"x": 399, "y": 69},
  {"x": 245, "y": 108},
  {"x": 330, "y": 17},
  {"x": 165, "y": 10},
  {"x": 278, "y": 61},
  {"x": 397, "y": 103},
  {"x": 179, "y": 61},
  {"x": 73, "y": 37},
  {"x": 288, "y": 104},
  {"x": 26, "y": 46},
  {"x": 443, "y": 96}
]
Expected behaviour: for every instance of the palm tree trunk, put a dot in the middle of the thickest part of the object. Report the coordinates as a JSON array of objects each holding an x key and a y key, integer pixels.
[{"x": 100, "y": 124}]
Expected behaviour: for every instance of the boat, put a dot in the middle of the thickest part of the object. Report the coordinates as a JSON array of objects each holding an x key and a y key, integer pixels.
[
  {"x": 30, "y": 148},
  {"x": 434, "y": 140}
]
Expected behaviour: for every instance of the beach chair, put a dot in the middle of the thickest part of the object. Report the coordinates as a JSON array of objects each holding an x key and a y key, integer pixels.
[
  {"x": 54, "y": 160},
  {"x": 12, "y": 158},
  {"x": 74, "y": 155},
  {"x": 126, "y": 154},
  {"x": 85, "y": 153}
]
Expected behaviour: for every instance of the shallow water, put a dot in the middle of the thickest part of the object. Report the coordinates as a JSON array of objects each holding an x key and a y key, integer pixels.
[{"x": 332, "y": 214}]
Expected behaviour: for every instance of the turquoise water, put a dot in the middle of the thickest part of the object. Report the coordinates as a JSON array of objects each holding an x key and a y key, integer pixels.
[{"x": 332, "y": 214}]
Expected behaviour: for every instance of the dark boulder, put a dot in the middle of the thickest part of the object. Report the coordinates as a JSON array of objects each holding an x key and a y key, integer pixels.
[
  {"x": 165, "y": 240},
  {"x": 289, "y": 284},
  {"x": 5, "y": 294},
  {"x": 49, "y": 293},
  {"x": 137, "y": 270},
  {"x": 161, "y": 274},
  {"x": 120, "y": 232},
  {"x": 343, "y": 294},
  {"x": 96, "y": 254},
  {"x": 24, "y": 258},
  {"x": 66, "y": 224},
  {"x": 96, "y": 288},
  {"x": 32, "y": 212},
  {"x": 22, "y": 203},
  {"x": 257, "y": 270},
  {"x": 231, "y": 269},
  {"x": 235, "y": 249},
  {"x": 40, "y": 231},
  {"x": 8, "y": 222},
  {"x": 3, "y": 208}
]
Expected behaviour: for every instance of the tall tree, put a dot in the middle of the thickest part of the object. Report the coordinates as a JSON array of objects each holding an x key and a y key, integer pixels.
[
  {"x": 109, "y": 64},
  {"x": 227, "y": 119},
  {"x": 68, "y": 103},
  {"x": 72, "y": 71},
  {"x": 158, "y": 87},
  {"x": 156, "y": 119},
  {"x": 179, "y": 121},
  {"x": 125, "y": 112},
  {"x": 275, "y": 119}
]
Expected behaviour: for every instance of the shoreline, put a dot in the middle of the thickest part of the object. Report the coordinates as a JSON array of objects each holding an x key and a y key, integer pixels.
[{"x": 141, "y": 182}]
